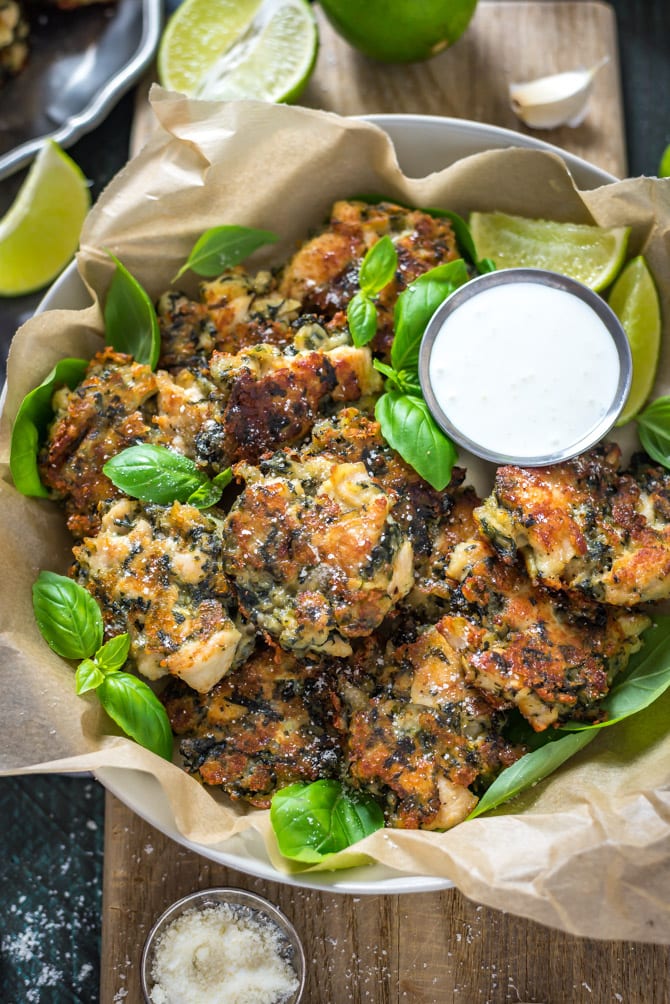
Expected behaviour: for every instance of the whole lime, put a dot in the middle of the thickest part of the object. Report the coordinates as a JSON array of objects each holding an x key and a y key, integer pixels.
[{"x": 400, "y": 31}]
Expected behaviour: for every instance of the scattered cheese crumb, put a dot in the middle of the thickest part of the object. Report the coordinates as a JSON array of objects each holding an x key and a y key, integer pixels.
[{"x": 222, "y": 954}]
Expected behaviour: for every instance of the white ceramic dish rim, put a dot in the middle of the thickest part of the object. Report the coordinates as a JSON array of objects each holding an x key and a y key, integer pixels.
[{"x": 450, "y": 140}]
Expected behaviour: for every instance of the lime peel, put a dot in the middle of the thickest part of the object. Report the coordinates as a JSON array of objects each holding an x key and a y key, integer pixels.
[
  {"x": 39, "y": 234},
  {"x": 233, "y": 49},
  {"x": 634, "y": 300},
  {"x": 590, "y": 254}
]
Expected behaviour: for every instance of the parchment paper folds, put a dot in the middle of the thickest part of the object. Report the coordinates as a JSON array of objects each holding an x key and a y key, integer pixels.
[{"x": 589, "y": 850}]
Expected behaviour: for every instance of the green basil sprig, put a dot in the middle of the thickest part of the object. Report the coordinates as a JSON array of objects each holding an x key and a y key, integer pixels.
[
  {"x": 376, "y": 271},
  {"x": 31, "y": 423},
  {"x": 664, "y": 166},
  {"x": 653, "y": 426},
  {"x": 405, "y": 420},
  {"x": 312, "y": 821},
  {"x": 408, "y": 426},
  {"x": 70, "y": 622},
  {"x": 153, "y": 473},
  {"x": 416, "y": 305},
  {"x": 67, "y": 616},
  {"x": 131, "y": 324},
  {"x": 647, "y": 677},
  {"x": 531, "y": 768},
  {"x": 222, "y": 247}
]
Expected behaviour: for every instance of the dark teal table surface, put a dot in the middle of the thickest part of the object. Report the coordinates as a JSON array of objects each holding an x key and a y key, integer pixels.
[{"x": 52, "y": 827}]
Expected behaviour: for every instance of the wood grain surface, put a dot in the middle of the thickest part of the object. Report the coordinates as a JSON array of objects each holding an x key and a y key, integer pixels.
[
  {"x": 430, "y": 948},
  {"x": 506, "y": 42}
]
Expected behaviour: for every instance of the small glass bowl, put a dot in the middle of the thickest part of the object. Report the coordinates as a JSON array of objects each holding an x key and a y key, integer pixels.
[
  {"x": 230, "y": 897},
  {"x": 509, "y": 277}
]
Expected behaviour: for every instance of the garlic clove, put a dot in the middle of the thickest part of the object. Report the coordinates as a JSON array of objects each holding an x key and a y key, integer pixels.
[{"x": 559, "y": 99}]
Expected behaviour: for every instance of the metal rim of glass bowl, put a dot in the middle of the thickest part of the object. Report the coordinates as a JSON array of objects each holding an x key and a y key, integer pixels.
[
  {"x": 203, "y": 898},
  {"x": 554, "y": 280}
]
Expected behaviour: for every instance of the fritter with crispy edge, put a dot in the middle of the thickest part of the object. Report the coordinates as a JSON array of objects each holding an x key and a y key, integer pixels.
[
  {"x": 585, "y": 526},
  {"x": 314, "y": 551},
  {"x": 108, "y": 411},
  {"x": 249, "y": 404},
  {"x": 551, "y": 655},
  {"x": 434, "y": 521},
  {"x": 235, "y": 311},
  {"x": 420, "y": 736},
  {"x": 157, "y": 572},
  {"x": 269, "y": 723},
  {"x": 323, "y": 274}
]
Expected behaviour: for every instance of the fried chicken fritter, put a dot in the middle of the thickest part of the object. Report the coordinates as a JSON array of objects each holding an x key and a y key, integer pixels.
[
  {"x": 156, "y": 572},
  {"x": 425, "y": 736},
  {"x": 551, "y": 655},
  {"x": 314, "y": 551},
  {"x": 269, "y": 399},
  {"x": 103, "y": 415},
  {"x": 267, "y": 724},
  {"x": 583, "y": 525},
  {"x": 235, "y": 311},
  {"x": 435, "y": 522},
  {"x": 323, "y": 274}
]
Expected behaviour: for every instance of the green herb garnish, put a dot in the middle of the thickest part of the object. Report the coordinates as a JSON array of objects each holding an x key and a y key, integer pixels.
[
  {"x": 376, "y": 271},
  {"x": 311, "y": 821},
  {"x": 153, "y": 473},
  {"x": 131, "y": 324},
  {"x": 32, "y": 421},
  {"x": 222, "y": 247},
  {"x": 70, "y": 622}
]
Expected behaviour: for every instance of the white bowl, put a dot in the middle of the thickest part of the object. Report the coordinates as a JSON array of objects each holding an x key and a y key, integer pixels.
[{"x": 423, "y": 144}]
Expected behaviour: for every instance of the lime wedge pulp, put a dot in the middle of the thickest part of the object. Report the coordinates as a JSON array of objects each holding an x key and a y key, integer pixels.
[
  {"x": 40, "y": 231},
  {"x": 634, "y": 300},
  {"x": 231, "y": 49},
  {"x": 591, "y": 255}
]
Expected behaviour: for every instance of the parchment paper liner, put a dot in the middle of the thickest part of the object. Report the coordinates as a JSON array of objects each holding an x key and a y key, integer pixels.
[{"x": 587, "y": 851}]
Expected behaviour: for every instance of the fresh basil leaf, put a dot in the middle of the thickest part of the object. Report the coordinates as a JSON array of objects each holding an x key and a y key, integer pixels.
[
  {"x": 222, "y": 247},
  {"x": 113, "y": 654},
  {"x": 647, "y": 678},
  {"x": 205, "y": 495},
  {"x": 486, "y": 265},
  {"x": 362, "y": 319},
  {"x": 405, "y": 381},
  {"x": 311, "y": 821},
  {"x": 664, "y": 166},
  {"x": 154, "y": 474},
  {"x": 416, "y": 305},
  {"x": 31, "y": 422},
  {"x": 67, "y": 616},
  {"x": 653, "y": 426},
  {"x": 408, "y": 426},
  {"x": 131, "y": 324},
  {"x": 89, "y": 676},
  {"x": 378, "y": 266},
  {"x": 136, "y": 709},
  {"x": 531, "y": 768},
  {"x": 223, "y": 478}
]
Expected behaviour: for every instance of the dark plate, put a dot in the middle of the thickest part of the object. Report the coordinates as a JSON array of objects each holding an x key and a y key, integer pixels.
[{"x": 80, "y": 63}]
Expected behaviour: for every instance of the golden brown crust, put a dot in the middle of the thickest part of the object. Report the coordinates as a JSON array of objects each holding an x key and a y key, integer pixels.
[{"x": 585, "y": 526}]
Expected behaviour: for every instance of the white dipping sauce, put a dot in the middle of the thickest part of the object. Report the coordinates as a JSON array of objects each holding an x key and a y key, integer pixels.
[{"x": 524, "y": 369}]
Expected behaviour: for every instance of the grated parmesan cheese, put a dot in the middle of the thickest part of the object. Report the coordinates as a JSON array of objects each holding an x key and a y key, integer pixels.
[{"x": 222, "y": 954}]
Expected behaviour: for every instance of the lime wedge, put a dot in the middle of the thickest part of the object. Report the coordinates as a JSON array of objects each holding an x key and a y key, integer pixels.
[
  {"x": 40, "y": 231},
  {"x": 635, "y": 302},
  {"x": 229, "y": 49},
  {"x": 590, "y": 254}
]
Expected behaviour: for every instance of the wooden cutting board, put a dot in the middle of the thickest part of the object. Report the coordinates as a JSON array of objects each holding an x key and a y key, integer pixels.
[
  {"x": 506, "y": 42},
  {"x": 433, "y": 947}
]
